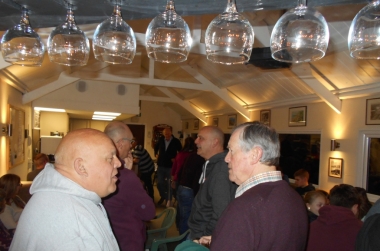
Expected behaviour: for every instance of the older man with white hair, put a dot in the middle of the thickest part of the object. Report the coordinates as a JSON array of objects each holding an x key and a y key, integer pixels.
[{"x": 266, "y": 214}]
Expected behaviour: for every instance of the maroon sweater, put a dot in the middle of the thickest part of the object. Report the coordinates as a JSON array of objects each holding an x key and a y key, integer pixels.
[
  {"x": 128, "y": 209},
  {"x": 335, "y": 229},
  {"x": 269, "y": 216}
]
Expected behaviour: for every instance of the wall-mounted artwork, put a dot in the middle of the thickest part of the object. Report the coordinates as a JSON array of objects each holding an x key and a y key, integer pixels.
[
  {"x": 215, "y": 121},
  {"x": 17, "y": 136},
  {"x": 297, "y": 116},
  {"x": 265, "y": 117},
  {"x": 373, "y": 112},
  {"x": 196, "y": 124},
  {"x": 335, "y": 167},
  {"x": 232, "y": 121}
]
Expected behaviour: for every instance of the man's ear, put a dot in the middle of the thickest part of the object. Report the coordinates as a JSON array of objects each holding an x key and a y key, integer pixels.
[
  {"x": 257, "y": 153},
  {"x": 355, "y": 209},
  {"x": 79, "y": 167}
]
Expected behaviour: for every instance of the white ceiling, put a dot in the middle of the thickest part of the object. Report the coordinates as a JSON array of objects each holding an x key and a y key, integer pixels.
[{"x": 199, "y": 88}]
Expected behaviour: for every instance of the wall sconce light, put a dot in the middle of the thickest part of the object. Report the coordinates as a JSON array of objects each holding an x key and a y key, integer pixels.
[
  {"x": 334, "y": 145},
  {"x": 6, "y": 130}
]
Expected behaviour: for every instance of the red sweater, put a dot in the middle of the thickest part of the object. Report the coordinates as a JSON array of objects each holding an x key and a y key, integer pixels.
[
  {"x": 269, "y": 216},
  {"x": 335, "y": 229}
]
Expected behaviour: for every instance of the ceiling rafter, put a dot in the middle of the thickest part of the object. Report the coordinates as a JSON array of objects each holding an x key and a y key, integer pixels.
[
  {"x": 304, "y": 72},
  {"x": 184, "y": 104},
  {"x": 222, "y": 93}
]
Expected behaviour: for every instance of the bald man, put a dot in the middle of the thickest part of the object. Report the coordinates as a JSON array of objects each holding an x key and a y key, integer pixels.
[
  {"x": 216, "y": 191},
  {"x": 65, "y": 211},
  {"x": 130, "y": 206}
]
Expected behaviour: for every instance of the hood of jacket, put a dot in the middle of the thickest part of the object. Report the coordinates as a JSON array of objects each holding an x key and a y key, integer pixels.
[
  {"x": 50, "y": 180},
  {"x": 330, "y": 215}
]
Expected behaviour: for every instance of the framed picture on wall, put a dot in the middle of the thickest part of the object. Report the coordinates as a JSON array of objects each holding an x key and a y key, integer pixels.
[
  {"x": 373, "y": 112},
  {"x": 335, "y": 167},
  {"x": 196, "y": 124},
  {"x": 265, "y": 117},
  {"x": 232, "y": 120},
  {"x": 186, "y": 125},
  {"x": 215, "y": 121},
  {"x": 297, "y": 116}
]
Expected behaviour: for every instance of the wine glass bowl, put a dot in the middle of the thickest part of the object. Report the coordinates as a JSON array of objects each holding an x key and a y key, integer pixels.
[
  {"x": 300, "y": 35},
  {"x": 21, "y": 45},
  {"x": 67, "y": 44},
  {"x": 114, "y": 41},
  {"x": 364, "y": 33},
  {"x": 168, "y": 37},
  {"x": 229, "y": 37}
]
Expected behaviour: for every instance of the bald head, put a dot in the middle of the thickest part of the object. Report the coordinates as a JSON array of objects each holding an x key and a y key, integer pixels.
[
  {"x": 121, "y": 136},
  {"x": 209, "y": 141},
  {"x": 88, "y": 157}
]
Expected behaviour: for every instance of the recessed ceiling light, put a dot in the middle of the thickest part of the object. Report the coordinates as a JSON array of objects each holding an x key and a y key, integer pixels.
[
  {"x": 107, "y": 113},
  {"x": 104, "y": 117},
  {"x": 49, "y": 109},
  {"x": 108, "y": 119}
]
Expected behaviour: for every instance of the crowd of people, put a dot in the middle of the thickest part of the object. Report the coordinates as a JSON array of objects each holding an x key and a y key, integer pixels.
[{"x": 234, "y": 199}]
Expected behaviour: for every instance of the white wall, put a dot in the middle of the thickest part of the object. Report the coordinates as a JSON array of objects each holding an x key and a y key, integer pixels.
[{"x": 154, "y": 113}]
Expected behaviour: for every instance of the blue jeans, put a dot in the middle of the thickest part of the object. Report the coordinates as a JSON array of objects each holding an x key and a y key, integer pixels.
[
  {"x": 163, "y": 182},
  {"x": 185, "y": 197}
]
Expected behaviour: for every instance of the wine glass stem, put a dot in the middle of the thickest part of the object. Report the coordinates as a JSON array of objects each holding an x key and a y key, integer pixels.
[{"x": 301, "y": 2}]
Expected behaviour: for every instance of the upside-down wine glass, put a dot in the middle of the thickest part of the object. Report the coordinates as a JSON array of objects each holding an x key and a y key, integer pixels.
[
  {"x": 21, "y": 45},
  {"x": 229, "y": 37},
  {"x": 67, "y": 44},
  {"x": 168, "y": 37},
  {"x": 300, "y": 35},
  {"x": 364, "y": 34},
  {"x": 114, "y": 41}
]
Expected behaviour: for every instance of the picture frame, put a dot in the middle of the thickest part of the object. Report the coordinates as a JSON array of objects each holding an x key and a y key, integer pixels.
[
  {"x": 196, "y": 124},
  {"x": 265, "y": 117},
  {"x": 186, "y": 125},
  {"x": 373, "y": 111},
  {"x": 232, "y": 120},
  {"x": 215, "y": 121},
  {"x": 335, "y": 167},
  {"x": 16, "y": 137},
  {"x": 297, "y": 116}
]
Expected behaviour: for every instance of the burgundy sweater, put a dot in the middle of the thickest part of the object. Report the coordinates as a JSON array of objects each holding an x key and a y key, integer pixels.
[
  {"x": 335, "y": 229},
  {"x": 128, "y": 209},
  {"x": 269, "y": 216}
]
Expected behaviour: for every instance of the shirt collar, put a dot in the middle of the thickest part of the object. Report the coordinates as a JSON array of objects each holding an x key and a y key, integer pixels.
[{"x": 270, "y": 176}]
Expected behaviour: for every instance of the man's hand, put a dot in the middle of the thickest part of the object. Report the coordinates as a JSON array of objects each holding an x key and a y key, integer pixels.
[
  {"x": 128, "y": 161},
  {"x": 205, "y": 240}
]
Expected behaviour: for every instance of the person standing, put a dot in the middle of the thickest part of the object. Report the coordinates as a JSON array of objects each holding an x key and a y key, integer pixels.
[
  {"x": 39, "y": 161},
  {"x": 130, "y": 206},
  {"x": 65, "y": 211},
  {"x": 216, "y": 190},
  {"x": 165, "y": 151},
  {"x": 145, "y": 166},
  {"x": 267, "y": 214}
]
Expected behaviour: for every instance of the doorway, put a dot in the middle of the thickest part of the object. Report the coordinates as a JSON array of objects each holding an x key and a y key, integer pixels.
[{"x": 138, "y": 132}]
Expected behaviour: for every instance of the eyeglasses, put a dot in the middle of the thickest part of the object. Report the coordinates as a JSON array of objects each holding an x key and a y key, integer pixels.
[{"x": 130, "y": 140}]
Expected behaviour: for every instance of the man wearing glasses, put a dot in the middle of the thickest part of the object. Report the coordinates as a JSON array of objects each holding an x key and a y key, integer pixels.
[{"x": 130, "y": 206}]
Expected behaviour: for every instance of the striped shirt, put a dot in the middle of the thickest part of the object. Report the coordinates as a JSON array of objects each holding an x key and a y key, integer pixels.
[
  {"x": 145, "y": 164},
  {"x": 270, "y": 176}
]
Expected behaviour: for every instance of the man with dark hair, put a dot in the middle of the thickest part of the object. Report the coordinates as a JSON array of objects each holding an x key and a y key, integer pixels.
[
  {"x": 39, "y": 161},
  {"x": 337, "y": 226},
  {"x": 301, "y": 178},
  {"x": 266, "y": 214},
  {"x": 145, "y": 166},
  {"x": 165, "y": 151}
]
